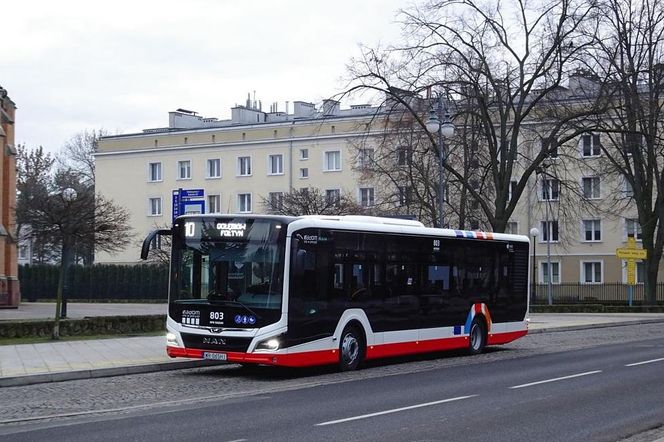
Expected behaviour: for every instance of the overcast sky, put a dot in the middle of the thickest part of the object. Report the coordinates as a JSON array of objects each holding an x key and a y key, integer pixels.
[{"x": 123, "y": 65}]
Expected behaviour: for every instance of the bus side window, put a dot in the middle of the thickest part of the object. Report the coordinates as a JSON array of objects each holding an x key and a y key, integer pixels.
[{"x": 338, "y": 283}]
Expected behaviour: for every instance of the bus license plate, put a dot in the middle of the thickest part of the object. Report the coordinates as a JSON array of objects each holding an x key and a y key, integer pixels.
[{"x": 214, "y": 356}]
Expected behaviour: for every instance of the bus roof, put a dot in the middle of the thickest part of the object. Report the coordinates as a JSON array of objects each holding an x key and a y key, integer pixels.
[{"x": 368, "y": 224}]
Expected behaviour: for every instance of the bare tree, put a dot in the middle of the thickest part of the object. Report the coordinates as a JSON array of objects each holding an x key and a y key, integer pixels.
[
  {"x": 78, "y": 153},
  {"x": 500, "y": 69},
  {"x": 32, "y": 180},
  {"x": 628, "y": 59},
  {"x": 311, "y": 201},
  {"x": 63, "y": 206}
]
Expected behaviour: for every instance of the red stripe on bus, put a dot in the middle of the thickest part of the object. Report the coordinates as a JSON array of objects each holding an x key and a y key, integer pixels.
[
  {"x": 405, "y": 348},
  {"x": 304, "y": 359},
  {"x": 328, "y": 357},
  {"x": 504, "y": 338}
]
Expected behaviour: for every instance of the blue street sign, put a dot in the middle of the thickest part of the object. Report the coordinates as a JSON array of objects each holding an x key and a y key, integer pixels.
[
  {"x": 186, "y": 194},
  {"x": 176, "y": 204}
]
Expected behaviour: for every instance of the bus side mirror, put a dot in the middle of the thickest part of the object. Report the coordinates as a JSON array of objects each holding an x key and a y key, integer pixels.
[{"x": 145, "y": 249}]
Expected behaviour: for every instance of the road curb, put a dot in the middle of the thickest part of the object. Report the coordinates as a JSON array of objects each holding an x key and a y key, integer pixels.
[
  {"x": 592, "y": 326},
  {"x": 42, "y": 378}
]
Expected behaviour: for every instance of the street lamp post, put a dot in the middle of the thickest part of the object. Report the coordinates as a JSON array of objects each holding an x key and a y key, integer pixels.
[
  {"x": 68, "y": 196},
  {"x": 440, "y": 122},
  {"x": 534, "y": 233},
  {"x": 547, "y": 191}
]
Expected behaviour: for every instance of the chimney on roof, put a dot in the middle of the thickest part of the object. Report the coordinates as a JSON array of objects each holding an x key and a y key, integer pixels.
[{"x": 330, "y": 107}]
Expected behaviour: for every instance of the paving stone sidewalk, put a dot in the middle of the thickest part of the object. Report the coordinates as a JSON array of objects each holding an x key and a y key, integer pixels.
[{"x": 65, "y": 360}]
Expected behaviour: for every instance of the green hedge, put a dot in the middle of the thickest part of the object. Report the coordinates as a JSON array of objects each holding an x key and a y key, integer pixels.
[
  {"x": 101, "y": 282},
  {"x": 100, "y": 325}
]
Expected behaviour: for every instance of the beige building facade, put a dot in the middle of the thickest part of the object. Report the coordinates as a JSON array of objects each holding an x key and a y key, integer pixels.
[{"x": 258, "y": 155}]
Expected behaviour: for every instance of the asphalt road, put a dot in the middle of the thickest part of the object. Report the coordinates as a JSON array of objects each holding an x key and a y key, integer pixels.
[{"x": 597, "y": 391}]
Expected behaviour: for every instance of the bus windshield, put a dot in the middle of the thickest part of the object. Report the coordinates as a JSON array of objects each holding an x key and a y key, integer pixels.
[{"x": 236, "y": 269}]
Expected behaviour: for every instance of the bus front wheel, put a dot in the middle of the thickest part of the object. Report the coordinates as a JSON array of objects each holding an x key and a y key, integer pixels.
[
  {"x": 477, "y": 336},
  {"x": 351, "y": 348}
]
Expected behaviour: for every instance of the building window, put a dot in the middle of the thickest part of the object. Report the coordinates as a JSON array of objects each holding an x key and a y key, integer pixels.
[
  {"x": 512, "y": 228},
  {"x": 244, "y": 203},
  {"x": 332, "y": 197},
  {"x": 367, "y": 197},
  {"x": 23, "y": 252},
  {"x": 214, "y": 203},
  {"x": 184, "y": 170},
  {"x": 591, "y": 187},
  {"x": 403, "y": 156},
  {"x": 154, "y": 206},
  {"x": 592, "y": 230},
  {"x": 405, "y": 195},
  {"x": 214, "y": 168},
  {"x": 640, "y": 272},
  {"x": 555, "y": 272},
  {"x": 332, "y": 161},
  {"x": 154, "y": 172},
  {"x": 186, "y": 140},
  {"x": 512, "y": 189},
  {"x": 591, "y": 272},
  {"x": 590, "y": 145},
  {"x": 214, "y": 138},
  {"x": 633, "y": 229},
  {"x": 276, "y": 200},
  {"x": 244, "y": 166},
  {"x": 304, "y": 172},
  {"x": 550, "y": 189},
  {"x": 365, "y": 158},
  {"x": 549, "y": 231},
  {"x": 628, "y": 190},
  {"x": 550, "y": 146},
  {"x": 304, "y": 154},
  {"x": 275, "y": 164}
]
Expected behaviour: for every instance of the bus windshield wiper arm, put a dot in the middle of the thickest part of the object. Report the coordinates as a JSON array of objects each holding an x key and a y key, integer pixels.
[{"x": 237, "y": 303}]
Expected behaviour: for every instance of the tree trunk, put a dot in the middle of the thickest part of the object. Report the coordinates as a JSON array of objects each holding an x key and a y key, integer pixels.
[{"x": 651, "y": 269}]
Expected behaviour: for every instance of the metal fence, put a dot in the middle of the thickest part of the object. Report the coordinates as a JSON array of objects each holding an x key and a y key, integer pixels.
[{"x": 608, "y": 294}]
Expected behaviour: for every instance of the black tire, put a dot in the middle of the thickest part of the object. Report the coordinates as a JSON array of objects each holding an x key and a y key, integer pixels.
[
  {"x": 477, "y": 337},
  {"x": 351, "y": 349}
]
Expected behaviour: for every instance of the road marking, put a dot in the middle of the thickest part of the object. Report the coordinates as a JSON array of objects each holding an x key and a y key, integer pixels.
[
  {"x": 557, "y": 379},
  {"x": 644, "y": 362},
  {"x": 395, "y": 410}
]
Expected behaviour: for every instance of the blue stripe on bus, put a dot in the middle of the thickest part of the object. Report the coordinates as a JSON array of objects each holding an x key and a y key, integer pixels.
[{"x": 469, "y": 321}]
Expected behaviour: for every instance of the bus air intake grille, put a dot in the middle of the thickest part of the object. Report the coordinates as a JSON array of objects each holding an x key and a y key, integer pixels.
[{"x": 224, "y": 343}]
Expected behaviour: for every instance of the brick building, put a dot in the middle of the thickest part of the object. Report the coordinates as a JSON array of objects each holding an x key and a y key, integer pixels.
[{"x": 9, "y": 284}]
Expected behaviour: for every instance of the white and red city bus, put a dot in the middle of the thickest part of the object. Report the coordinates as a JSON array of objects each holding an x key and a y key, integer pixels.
[{"x": 315, "y": 290}]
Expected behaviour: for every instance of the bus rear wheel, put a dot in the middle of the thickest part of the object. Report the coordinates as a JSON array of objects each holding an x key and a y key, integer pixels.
[
  {"x": 477, "y": 336},
  {"x": 351, "y": 349}
]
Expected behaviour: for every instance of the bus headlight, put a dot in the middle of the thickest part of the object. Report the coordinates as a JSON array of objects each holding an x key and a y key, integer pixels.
[
  {"x": 271, "y": 344},
  {"x": 171, "y": 338}
]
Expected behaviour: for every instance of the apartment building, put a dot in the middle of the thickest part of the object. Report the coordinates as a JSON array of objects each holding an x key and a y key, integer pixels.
[
  {"x": 9, "y": 284},
  {"x": 259, "y": 155},
  {"x": 238, "y": 163}
]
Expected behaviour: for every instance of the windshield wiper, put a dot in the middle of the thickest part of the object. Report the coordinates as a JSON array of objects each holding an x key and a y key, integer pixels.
[{"x": 235, "y": 303}]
